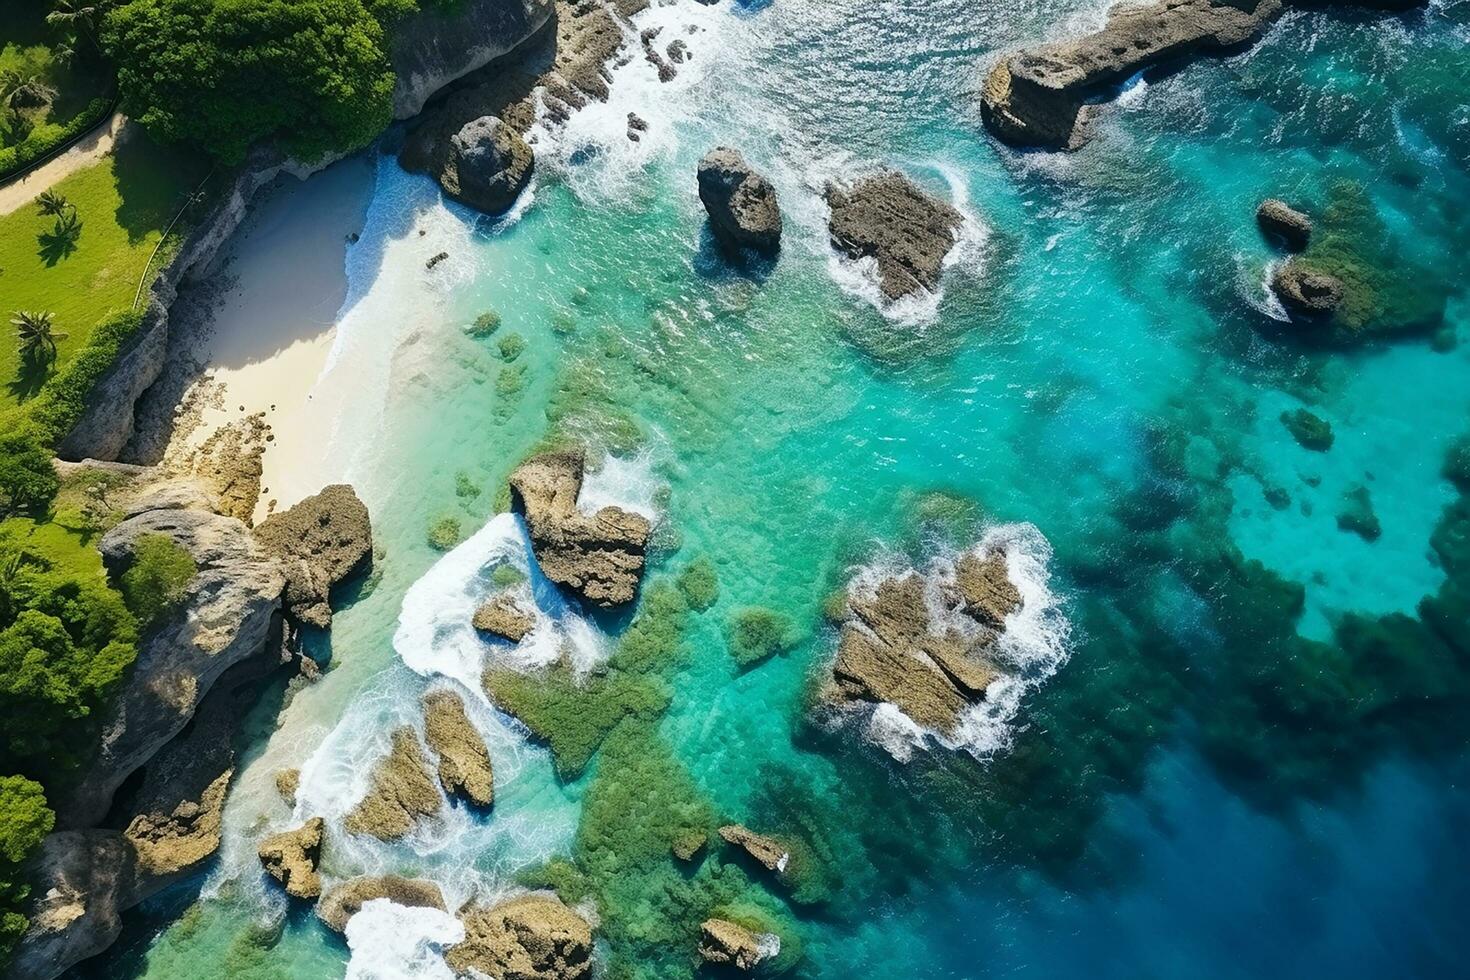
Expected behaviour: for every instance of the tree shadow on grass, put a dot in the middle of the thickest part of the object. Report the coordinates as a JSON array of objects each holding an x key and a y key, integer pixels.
[
  {"x": 29, "y": 377},
  {"x": 153, "y": 182},
  {"x": 58, "y": 243}
]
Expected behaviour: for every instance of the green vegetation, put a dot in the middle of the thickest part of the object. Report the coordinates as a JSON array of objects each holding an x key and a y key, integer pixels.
[
  {"x": 757, "y": 633},
  {"x": 53, "y": 82},
  {"x": 25, "y": 820},
  {"x": 1311, "y": 431},
  {"x": 485, "y": 324},
  {"x": 700, "y": 584},
  {"x": 444, "y": 533},
  {"x": 27, "y": 479},
  {"x": 505, "y": 576},
  {"x": 465, "y": 487},
  {"x": 156, "y": 582},
  {"x": 511, "y": 346}
]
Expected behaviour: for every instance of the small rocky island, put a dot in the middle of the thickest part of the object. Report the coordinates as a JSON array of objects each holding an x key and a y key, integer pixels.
[
  {"x": 742, "y": 207},
  {"x": 887, "y": 217}
]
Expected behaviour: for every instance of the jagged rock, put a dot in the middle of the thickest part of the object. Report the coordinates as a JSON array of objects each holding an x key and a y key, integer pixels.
[
  {"x": 401, "y": 792},
  {"x": 230, "y": 613},
  {"x": 1036, "y": 96},
  {"x": 767, "y": 851},
  {"x": 688, "y": 844},
  {"x": 1305, "y": 291},
  {"x": 888, "y": 218},
  {"x": 321, "y": 541},
  {"x": 464, "y": 762},
  {"x": 534, "y": 937},
  {"x": 723, "y": 942},
  {"x": 985, "y": 587},
  {"x": 742, "y": 205},
  {"x": 81, "y": 881},
  {"x": 288, "y": 781},
  {"x": 167, "y": 843},
  {"x": 442, "y": 42},
  {"x": 291, "y": 858},
  {"x": 598, "y": 557},
  {"x": 892, "y": 651},
  {"x": 1279, "y": 219},
  {"x": 488, "y": 165},
  {"x": 503, "y": 616},
  {"x": 347, "y": 899}
]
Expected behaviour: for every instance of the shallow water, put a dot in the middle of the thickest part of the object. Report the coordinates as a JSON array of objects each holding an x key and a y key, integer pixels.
[{"x": 1192, "y": 791}]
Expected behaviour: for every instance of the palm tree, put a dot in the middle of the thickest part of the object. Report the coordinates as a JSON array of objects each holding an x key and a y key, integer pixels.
[
  {"x": 52, "y": 203},
  {"x": 76, "y": 13},
  {"x": 38, "y": 336}
]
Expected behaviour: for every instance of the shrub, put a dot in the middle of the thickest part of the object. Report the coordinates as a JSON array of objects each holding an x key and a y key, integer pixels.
[
  {"x": 28, "y": 481},
  {"x": 757, "y": 633},
  {"x": 25, "y": 820},
  {"x": 63, "y": 398},
  {"x": 155, "y": 583},
  {"x": 46, "y": 138},
  {"x": 444, "y": 533}
]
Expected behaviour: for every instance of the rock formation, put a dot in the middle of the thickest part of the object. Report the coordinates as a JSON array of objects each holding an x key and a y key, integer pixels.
[
  {"x": 1304, "y": 291},
  {"x": 767, "y": 851},
  {"x": 291, "y": 858},
  {"x": 464, "y": 763},
  {"x": 487, "y": 166},
  {"x": 534, "y": 937},
  {"x": 892, "y": 650},
  {"x": 723, "y": 942},
  {"x": 443, "y": 42},
  {"x": 886, "y": 217},
  {"x": 741, "y": 204},
  {"x": 1280, "y": 220},
  {"x": 505, "y": 617},
  {"x": 401, "y": 792},
  {"x": 347, "y": 899},
  {"x": 597, "y": 557},
  {"x": 288, "y": 781},
  {"x": 321, "y": 541}
]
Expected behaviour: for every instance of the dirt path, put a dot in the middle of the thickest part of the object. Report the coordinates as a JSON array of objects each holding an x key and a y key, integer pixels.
[{"x": 22, "y": 190}]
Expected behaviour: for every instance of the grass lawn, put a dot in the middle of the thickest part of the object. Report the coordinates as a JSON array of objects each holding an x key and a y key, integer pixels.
[
  {"x": 64, "y": 548},
  {"x": 124, "y": 203},
  {"x": 28, "y": 47}
]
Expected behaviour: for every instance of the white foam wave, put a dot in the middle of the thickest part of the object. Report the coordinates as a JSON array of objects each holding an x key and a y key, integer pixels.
[{"x": 393, "y": 942}]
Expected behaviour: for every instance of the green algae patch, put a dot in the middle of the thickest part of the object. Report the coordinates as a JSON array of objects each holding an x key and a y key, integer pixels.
[
  {"x": 484, "y": 325},
  {"x": 444, "y": 533},
  {"x": 1357, "y": 515},
  {"x": 700, "y": 584},
  {"x": 1311, "y": 431},
  {"x": 756, "y": 634}
]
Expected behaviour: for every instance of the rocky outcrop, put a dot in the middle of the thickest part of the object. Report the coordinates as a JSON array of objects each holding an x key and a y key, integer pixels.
[
  {"x": 741, "y": 204},
  {"x": 401, "y": 792},
  {"x": 534, "y": 937},
  {"x": 1281, "y": 221},
  {"x": 347, "y": 899},
  {"x": 464, "y": 762},
  {"x": 887, "y": 218},
  {"x": 231, "y": 612},
  {"x": 770, "y": 853},
  {"x": 487, "y": 166},
  {"x": 725, "y": 943},
  {"x": 597, "y": 557},
  {"x": 321, "y": 541},
  {"x": 288, "y": 781},
  {"x": 892, "y": 649},
  {"x": 444, "y": 42},
  {"x": 505, "y": 617},
  {"x": 1305, "y": 291},
  {"x": 291, "y": 858},
  {"x": 81, "y": 882}
]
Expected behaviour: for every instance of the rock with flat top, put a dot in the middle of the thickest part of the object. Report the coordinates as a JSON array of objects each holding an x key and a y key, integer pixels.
[
  {"x": 770, "y": 853},
  {"x": 347, "y": 899},
  {"x": 908, "y": 232},
  {"x": 402, "y": 791},
  {"x": 291, "y": 858},
  {"x": 534, "y": 937},
  {"x": 598, "y": 557},
  {"x": 504, "y": 616},
  {"x": 1305, "y": 291},
  {"x": 288, "y": 781},
  {"x": 1280, "y": 220},
  {"x": 985, "y": 586},
  {"x": 320, "y": 542},
  {"x": 725, "y": 943},
  {"x": 741, "y": 204},
  {"x": 464, "y": 762}
]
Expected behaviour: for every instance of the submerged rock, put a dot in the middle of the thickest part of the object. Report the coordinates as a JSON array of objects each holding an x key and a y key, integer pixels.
[
  {"x": 347, "y": 899},
  {"x": 1281, "y": 220},
  {"x": 321, "y": 541},
  {"x": 723, "y": 942},
  {"x": 888, "y": 218},
  {"x": 686, "y": 845},
  {"x": 1305, "y": 291},
  {"x": 488, "y": 165},
  {"x": 505, "y": 617},
  {"x": 1357, "y": 515},
  {"x": 401, "y": 792},
  {"x": 770, "y": 853},
  {"x": 741, "y": 204},
  {"x": 597, "y": 557},
  {"x": 534, "y": 937},
  {"x": 291, "y": 858},
  {"x": 464, "y": 762},
  {"x": 1309, "y": 430}
]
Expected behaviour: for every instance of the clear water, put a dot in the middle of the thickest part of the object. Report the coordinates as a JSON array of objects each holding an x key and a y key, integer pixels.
[{"x": 1103, "y": 364}]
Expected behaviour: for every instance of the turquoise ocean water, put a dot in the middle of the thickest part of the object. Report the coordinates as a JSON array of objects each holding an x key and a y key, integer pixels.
[{"x": 1240, "y": 751}]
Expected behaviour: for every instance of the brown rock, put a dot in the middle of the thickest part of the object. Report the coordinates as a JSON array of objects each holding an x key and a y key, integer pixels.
[
  {"x": 321, "y": 541},
  {"x": 169, "y": 843},
  {"x": 291, "y": 858},
  {"x": 723, "y": 942},
  {"x": 503, "y": 616},
  {"x": 907, "y": 231},
  {"x": 488, "y": 165},
  {"x": 597, "y": 557},
  {"x": 1279, "y": 219},
  {"x": 534, "y": 937},
  {"x": 402, "y": 792},
  {"x": 986, "y": 588},
  {"x": 347, "y": 899},
  {"x": 464, "y": 762},
  {"x": 1306, "y": 292},
  {"x": 741, "y": 204},
  {"x": 768, "y": 851},
  {"x": 688, "y": 844},
  {"x": 288, "y": 781}
]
